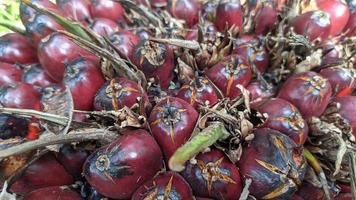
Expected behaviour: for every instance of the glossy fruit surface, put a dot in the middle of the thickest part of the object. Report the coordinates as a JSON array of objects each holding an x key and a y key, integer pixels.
[
  {"x": 125, "y": 42},
  {"x": 347, "y": 109},
  {"x": 214, "y": 176},
  {"x": 108, "y": 9},
  {"x": 350, "y": 27},
  {"x": 117, "y": 93},
  {"x": 104, "y": 27},
  {"x": 20, "y": 95},
  {"x": 35, "y": 75},
  {"x": 84, "y": 79},
  {"x": 228, "y": 14},
  {"x": 230, "y": 72},
  {"x": 169, "y": 185},
  {"x": 17, "y": 49},
  {"x": 312, "y": 24},
  {"x": 9, "y": 73},
  {"x": 155, "y": 60},
  {"x": 266, "y": 17},
  {"x": 78, "y": 10},
  {"x": 52, "y": 193},
  {"x": 26, "y": 12},
  {"x": 340, "y": 78},
  {"x": 55, "y": 51},
  {"x": 198, "y": 92},
  {"x": 72, "y": 159},
  {"x": 172, "y": 121},
  {"x": 308, "y": 91},
  {"x": 12, "y": 126},
  {"x": 186, "y": 10},
  {"x": 259, "y": 93},
  {"x": 118, "y": 169},
  {"x": 339, "y": 14},
  {"x": 44, "y": 172},
  {"x": 285, "y": 117},
  {"x": 274, "y": 163}
]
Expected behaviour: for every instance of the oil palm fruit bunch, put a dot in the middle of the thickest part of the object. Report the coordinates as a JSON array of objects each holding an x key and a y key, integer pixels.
[{"x": 179, "y": 99}]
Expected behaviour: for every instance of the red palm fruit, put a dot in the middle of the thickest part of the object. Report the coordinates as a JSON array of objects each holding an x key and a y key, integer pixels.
[
  {"x": 296, "y": 197},
  {"x": 333, "y": 52},
  {"x": 339, "y": 14},
  {"x": 285, "y": 117},
  {"x": 312, "y": 24},
  {"x": 344, "y": 196},
  {"x": 172, "y": 122},
  {"x": 208, "y": 10},
  {"x": 41, "y": 26},
  {"x": 26, "y": 12},
  {"x": 208, "y": 30},
  {"x": 51, "y": 193},
  {"x": 344, "y": 187},
  {"x": 9, "y": 73},
  {"x": 17, "y": 49},
  {"x": 340, "y": 78},
  {"x": 118, "y": 169},
  {"x": 72, "y": 159},
  {"x": 185, "y": 10},
  {"x": 266, "y": 16},
  {"x": 249, "y": 47},
  {"x": 274, "y": 163},
  {"x": 104, "y": 27},
  {"x": 44, "y": 172},
  {"x": 308, "y": 191},
  {"x": 259, "y": 93},
  {"x": 230, "y": 72},
  {"x": 228, "y": 14},
  {"x": 35, "y": 75},
  {"x": 350, "y": 27},
  {"x": 12, "y": 126},
  {"x": 78, "y": 10},
  {"x": 125, "y": 42},
  {"x": 347, "y": 109},
  {"x": 169, "y": 185},
  {"x": 118, "y": 93},
  {"x": 155, "y": 60},
  {"x": 84, "y": 79},
  {"x": 214, "y": 176},
  {"x": 20, "y": 95},
  {"x": 56, "y": 50},
  {"x": 308, "y": 91},
  {"x": 202, "y": 198},
  {"x": 198, "y": 92},
  {"x": 108, "y": 9}
]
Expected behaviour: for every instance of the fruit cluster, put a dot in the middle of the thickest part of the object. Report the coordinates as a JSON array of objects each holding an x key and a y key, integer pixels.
[{"x": 179, "y": 99}]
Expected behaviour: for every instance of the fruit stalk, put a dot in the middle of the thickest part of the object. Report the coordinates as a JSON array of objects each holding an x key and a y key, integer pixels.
[{"x": 198, "y": 143}]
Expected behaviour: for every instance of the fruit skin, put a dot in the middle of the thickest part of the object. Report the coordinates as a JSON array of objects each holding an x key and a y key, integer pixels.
[
  {"x": 125, "y": 42},
  {"x": 126, "y": 92},
  {"x": 274, "y": 163},
  {"x": 155, "y": 60},
  {"x": 78, "y": 10},
  {"x": 186, "y": 10},
  {"x": 266, "y": 17},
  {"x": 312, "y": 24},
  {"x": 118, "y": 169},
  {"x": 44, "y": 172},
  {"x": 308, "y": 91},
  {"x": 340, "y": 78},
  {"x": 259, "y": 93},
  {"x": 72, "y": 159},
  {"x": 158, "y": 187},
  {"x": 12, "y": 126},
  {"x": 350, "y": 27},
  {"x": 285, "y": 117},
  {"x": 228, "y": 14},
  {"x": 225, "y": 177},
  {"x": 17, "y": 49},
  {"x": 230, "y": 72},
  {"x": 104, "y": 27},
  {"x": 249, "y": 47},
  {"x": 84, "y": 79},
  {"x": 9, "y": 74},
  {"x": 35, "y": 75},
  {"x": 339, "y": 14},
  {"x": 108, "y": 9},
  {"x": 26, "y": 12},
  {"x": 20, "y": 95},
  {"x": 347, "y": 110},
  {"x": 51, "y": 193},
  {"x": 56, "y": 50},
  {"x": 41, "y": 26},
  {"x": 198, "y": 92},
  {"x": 172, "y": 122}
]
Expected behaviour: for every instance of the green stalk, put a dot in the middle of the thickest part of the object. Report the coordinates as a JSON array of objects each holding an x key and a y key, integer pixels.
[{"x": 196, "y": 144}]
